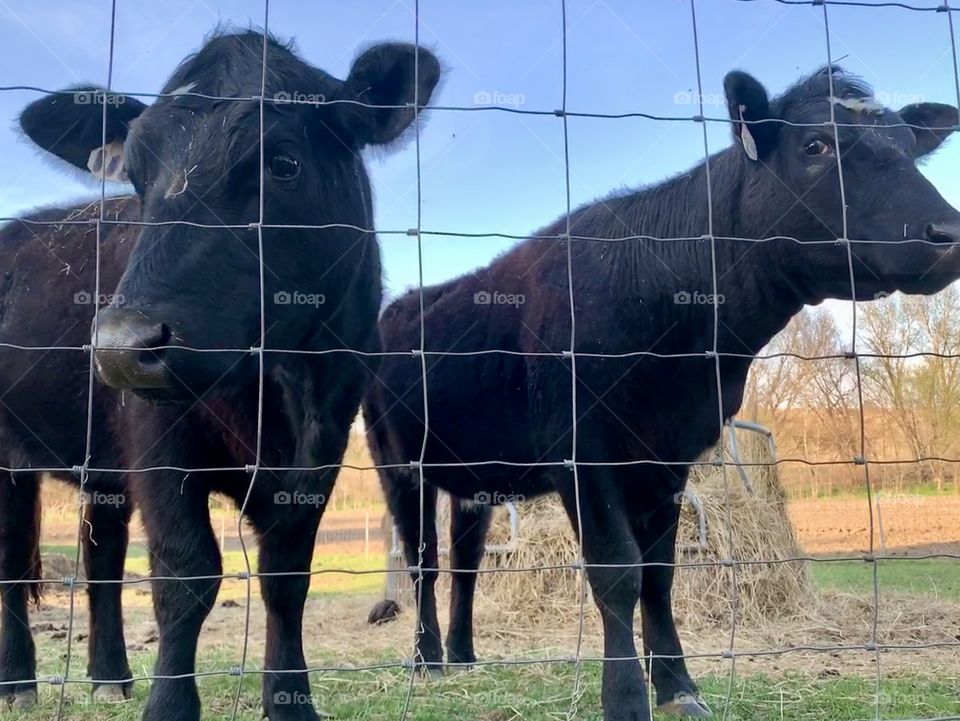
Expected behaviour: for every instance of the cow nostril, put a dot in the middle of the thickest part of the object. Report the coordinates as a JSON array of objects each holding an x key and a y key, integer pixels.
[
  {"x": 942, "y": 233},
  {"x": 161, "y": 337},
  {"x": 149, "y": 359},
  {"x": 153, "y": 346}
]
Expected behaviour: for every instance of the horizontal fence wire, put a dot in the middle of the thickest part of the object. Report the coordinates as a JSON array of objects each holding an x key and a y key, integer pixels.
[{"x": 730, "y": 653}]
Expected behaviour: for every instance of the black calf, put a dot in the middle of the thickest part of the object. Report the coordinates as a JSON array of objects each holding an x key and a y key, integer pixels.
[
  {"x": 47, "y": 299},
  {"x": 778, "y": 182},
  {"x": 182, "y": 388}
]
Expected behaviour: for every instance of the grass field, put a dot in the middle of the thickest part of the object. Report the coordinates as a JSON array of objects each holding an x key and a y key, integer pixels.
[
  {"x": 763, "y": 689},
  {"x": 544, "y": 693},
  {"x": 937, "y": 577},
  {"x": 803, "y": 686},
  {"x": 233, "y": 563}
]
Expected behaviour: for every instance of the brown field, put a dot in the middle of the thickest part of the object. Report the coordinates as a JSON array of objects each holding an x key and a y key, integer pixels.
[
  {"x": 911, "y": 525},
  {"x": 908, "y": 525}
]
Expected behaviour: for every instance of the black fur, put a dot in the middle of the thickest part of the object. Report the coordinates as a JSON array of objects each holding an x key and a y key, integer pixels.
[
  {"x": 647, "y": 394},
  {"x": 196, "y": 159}
]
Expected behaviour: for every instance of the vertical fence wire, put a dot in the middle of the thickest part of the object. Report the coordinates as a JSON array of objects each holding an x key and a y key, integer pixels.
[
  {"x": 715, "y": 354},
  {"x": 91, "y": 374},
  {"x": 567, "y": 241},
  {"x": 421, "y": 352},
  {"x": 572, "y": 465},
  {"x": 255, "y": 471},
  {"x": 861, "y": 416}
]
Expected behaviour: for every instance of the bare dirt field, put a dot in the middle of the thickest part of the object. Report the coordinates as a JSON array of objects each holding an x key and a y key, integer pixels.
[{"x": 905, "y": 525}]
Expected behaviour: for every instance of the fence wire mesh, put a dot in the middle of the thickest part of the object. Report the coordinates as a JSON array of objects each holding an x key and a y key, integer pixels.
[{"x": 729, "y": 654}]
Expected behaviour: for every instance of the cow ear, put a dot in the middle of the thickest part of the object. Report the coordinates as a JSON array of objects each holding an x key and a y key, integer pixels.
[
  {"x": 747, "y": 101},
  {"x": 391, "y": 74},
  {"x": 69, "y": 125},
  {"x": 932, "y": 124}
]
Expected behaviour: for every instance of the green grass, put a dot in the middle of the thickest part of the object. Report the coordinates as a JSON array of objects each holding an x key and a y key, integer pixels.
[
  {"x": 938, "y": 577},
  {"x": 918, "y": 489},
  {"x": 540, "y": 693},
  {"x": 233, "y": 562},
  {"x": 537, "y": 692}
]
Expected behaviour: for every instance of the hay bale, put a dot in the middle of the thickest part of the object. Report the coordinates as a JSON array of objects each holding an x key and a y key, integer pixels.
[
  {"x": 748, "y": 527},
  {"x": 741, "y": 525}
]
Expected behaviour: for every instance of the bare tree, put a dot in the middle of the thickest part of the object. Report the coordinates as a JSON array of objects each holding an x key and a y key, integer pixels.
[
  {"x": 805, "y": 395},
  {"x": 914, "y": 376}
]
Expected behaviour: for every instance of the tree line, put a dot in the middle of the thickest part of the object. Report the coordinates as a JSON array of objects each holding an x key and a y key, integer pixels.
[{"x": 808, "y": 387}]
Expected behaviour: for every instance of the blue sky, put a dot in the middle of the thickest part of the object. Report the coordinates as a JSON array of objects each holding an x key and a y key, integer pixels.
[{"x": 491, "y": 171}]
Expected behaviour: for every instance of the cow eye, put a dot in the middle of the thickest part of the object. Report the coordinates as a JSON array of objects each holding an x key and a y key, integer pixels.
[
  {"x": 284, "y": 167},
  {"x": 817, "y": 147}
]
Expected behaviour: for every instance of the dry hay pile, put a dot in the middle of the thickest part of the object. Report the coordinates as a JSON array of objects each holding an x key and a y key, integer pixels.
[{"x": 703, "y": 592}]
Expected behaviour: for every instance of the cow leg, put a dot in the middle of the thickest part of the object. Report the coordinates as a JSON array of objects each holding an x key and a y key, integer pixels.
[
  {"x": 607, "y": 539},
  {"x": 105, "y": 534},
  {"x": 404, "y": 503},
  {"x": 656, "y": 535},
  {"x": 19, "y": 560},
  {"x": 287, "y": 547},
  {"x": 469, "y": 524},
  {"x": 181, "y": 544}
]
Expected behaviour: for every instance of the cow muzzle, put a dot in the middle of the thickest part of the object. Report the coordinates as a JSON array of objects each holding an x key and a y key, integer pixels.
[{"x": 129, "y": 350}]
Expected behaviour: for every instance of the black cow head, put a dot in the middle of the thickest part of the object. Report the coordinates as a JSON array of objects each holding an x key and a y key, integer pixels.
[
  {"x": 196, "y": 161},
  {"x": 903, "y": 231}
]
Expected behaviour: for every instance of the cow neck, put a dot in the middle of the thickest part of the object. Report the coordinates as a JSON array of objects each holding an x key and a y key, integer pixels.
[{"x": 766, "y": 293}]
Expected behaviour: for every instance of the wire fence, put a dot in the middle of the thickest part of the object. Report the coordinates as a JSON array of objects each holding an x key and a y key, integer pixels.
[{"x": 572, "y": 462}]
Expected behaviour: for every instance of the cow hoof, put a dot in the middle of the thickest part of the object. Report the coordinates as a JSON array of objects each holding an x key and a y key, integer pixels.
[
  {"x": 25, "y": 699},
  {"x": 686, "y": 706},
  {"x": 111, "y": 693},
  {"x": 384, "y": 612}
]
